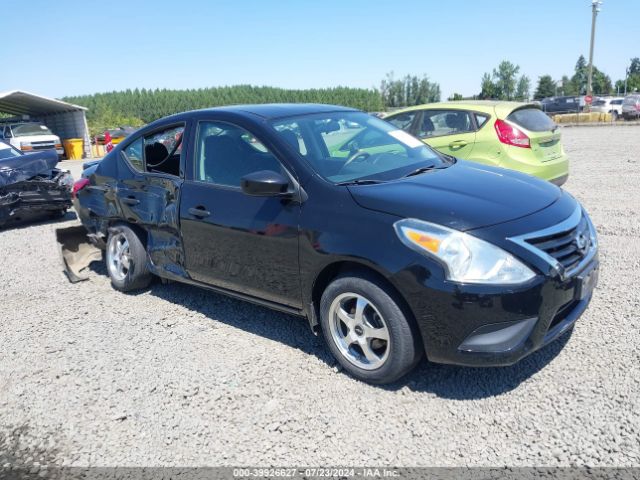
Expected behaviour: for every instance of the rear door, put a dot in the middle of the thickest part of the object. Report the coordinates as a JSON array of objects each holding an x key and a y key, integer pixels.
[
  {"x": 147, "y": 192},
  {"x": 543, "y": 133},
  {"x": 449, "y": 131},
  {"x": 232, "y": 240}
]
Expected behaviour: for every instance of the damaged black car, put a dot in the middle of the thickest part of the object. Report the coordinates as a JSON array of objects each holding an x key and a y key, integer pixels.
[
  {"x": 390, "y": 249},
  {"x": 31, "y": 187}
]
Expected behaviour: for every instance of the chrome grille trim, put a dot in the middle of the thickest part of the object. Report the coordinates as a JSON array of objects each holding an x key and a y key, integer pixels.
[{"x": 566, "y": 226}]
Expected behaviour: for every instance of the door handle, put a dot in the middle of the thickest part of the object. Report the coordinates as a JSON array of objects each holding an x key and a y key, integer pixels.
[
  {"x": 458, "y": 143},
  {"x": 130, "y": 201},
  {"x": 199, "y": 212}
]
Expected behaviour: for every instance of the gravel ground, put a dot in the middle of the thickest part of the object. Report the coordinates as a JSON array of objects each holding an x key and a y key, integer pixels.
[{"x": 180, "y": 376}]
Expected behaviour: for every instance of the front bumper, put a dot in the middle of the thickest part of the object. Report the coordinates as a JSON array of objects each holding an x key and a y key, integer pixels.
[
  {"x": 492, "y": 325},
  {"x": 482, "y": 326}
]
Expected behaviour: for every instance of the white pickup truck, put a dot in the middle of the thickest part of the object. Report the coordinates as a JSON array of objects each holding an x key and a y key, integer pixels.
[{"x": 30, "y": 137}]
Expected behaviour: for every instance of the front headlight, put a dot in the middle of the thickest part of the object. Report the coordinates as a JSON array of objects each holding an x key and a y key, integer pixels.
[{"x": 466, "y": 258}]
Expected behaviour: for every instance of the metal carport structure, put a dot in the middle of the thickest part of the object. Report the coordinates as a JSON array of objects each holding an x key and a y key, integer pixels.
[{"x": 64, "y": 119}]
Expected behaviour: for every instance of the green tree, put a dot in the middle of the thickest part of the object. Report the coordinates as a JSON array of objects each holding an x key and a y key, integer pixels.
[
  {"x": 523, "y": 89},
  {"x": 455, "y": 97},
  {"x": 546, "y": 87},
  {"x": 504, "y": 84},
  {"x": 488, "y": 89},
  {"x": 633, "y": 78},
  {"x": 601, "y": 83},
  {"x": 505, "y": 77},
  {"x": 408, "y": 91}
]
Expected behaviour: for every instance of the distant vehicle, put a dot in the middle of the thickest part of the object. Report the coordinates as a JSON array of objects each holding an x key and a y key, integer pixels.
[
  {"x": 30, "y": 137},
  {"x": 631, "y": 107},
  {"x": 30, "y": 185},
  {"x": 502, "y": 134},
  {"x": 566, "y": 104},
  {"x": 117, "y": 135},
  {"x": 612, "y": 105}
]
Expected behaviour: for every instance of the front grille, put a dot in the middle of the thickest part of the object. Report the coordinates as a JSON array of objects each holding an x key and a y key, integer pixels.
[
  {"x": 568, "y": 247},
  {"x": 42, "y": 145}
]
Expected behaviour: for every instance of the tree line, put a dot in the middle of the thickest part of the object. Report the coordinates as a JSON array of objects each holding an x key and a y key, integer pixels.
[
  {"x": 577, "y": 83},
  {"x": 139, "y": 106}
]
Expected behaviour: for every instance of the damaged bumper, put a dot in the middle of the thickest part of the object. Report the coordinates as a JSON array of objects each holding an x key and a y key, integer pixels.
[{"x": 33, "y": 187}]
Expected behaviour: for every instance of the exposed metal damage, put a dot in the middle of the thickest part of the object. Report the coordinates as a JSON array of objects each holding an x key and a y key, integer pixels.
[{"x": 31, "y": 188}]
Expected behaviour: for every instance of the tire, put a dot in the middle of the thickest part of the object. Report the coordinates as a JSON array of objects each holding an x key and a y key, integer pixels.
[
  {"x": 126, "y": 260},
  {"x": 614, "y": 116},
  {"x": 380, "y": 343}
]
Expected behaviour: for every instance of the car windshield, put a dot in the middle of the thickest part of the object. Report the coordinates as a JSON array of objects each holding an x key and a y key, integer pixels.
[
  {"x": 25, "y": 129},
  {"x": 599, "y": 103},
  {"x": 6, "y": 151},
  {"x": 352, "y": 146}
]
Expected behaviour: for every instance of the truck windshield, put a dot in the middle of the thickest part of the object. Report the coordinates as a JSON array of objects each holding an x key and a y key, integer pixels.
[
  {"x": 349, "y": 146},
  {"x": 26, "y": 129}
]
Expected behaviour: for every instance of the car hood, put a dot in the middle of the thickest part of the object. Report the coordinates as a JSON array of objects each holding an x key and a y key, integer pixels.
[
  {"x": 463, "y": 196},
  {"x": 24, "y": 167}
]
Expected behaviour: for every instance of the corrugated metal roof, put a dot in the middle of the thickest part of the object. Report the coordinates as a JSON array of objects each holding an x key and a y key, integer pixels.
[{"x": 17, "y": 102}]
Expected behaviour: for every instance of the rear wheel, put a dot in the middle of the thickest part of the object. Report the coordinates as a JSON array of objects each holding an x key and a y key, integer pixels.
[
  {"x": 367, "y": 330},
  {"x": 126, "y": 259}
]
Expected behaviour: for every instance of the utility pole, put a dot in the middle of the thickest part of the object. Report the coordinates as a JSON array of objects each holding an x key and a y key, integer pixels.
[
  {"x": 626, "y": 77},
  {"x": 595, "y": 9}
]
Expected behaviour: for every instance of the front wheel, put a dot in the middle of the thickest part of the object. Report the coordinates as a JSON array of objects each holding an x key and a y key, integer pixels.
[
  {"x": 126, "y": 259},
  {"x": 367, "y": 330}
]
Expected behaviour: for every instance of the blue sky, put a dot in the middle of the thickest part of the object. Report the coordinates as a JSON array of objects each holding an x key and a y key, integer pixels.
[{"x": 74, "y": 47}]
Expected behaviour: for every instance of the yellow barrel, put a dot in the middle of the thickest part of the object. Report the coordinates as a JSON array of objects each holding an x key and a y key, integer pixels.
[{"x": 73, "y": 147}]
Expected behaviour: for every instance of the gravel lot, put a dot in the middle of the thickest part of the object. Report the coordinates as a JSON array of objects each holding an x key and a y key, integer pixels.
[{"x": 181, "y": 376}]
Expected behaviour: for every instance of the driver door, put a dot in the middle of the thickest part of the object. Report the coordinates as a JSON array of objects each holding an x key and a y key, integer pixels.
[{"x": 232, "y": 240}]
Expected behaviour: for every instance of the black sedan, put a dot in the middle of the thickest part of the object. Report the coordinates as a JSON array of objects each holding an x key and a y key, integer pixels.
[{"x": 388, "y": 248}]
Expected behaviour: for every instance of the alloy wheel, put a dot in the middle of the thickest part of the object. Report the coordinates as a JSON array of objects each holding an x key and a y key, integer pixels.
[{"x": 359, "y": 331}]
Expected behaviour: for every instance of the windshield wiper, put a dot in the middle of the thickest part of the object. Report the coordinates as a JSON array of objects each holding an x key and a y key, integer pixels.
[
  {"x": 362, "y": 181},
  {"x": 420, "y": 170}
]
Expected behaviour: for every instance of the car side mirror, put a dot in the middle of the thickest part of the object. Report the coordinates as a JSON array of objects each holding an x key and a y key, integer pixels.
[{"x": 265, "y": 183}]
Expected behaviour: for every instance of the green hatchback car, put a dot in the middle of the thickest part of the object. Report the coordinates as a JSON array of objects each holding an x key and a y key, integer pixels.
[{"x": 511, "y": 135}]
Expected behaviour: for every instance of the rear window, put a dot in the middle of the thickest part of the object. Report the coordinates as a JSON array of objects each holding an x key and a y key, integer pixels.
[
  {"x": 631, "y": 100},
  {"x": 600, "y": 103},
  {"x": 532, "y": 119}
]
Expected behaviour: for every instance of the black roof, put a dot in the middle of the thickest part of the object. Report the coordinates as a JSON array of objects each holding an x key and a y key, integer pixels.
[{"x": 279, "y": 110}]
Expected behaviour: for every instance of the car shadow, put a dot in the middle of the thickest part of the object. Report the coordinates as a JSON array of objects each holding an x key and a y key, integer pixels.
[
  {"x": 445, "y": 381},
  {"x": 38, "y": 220},
  {"x": 280, "y": 327},
  {"x": 470, "y": 383}
]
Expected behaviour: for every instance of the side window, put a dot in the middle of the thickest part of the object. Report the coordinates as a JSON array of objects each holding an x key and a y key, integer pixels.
[
  {"x": 133, "y": 154},
  {"x": 481, "y": 119},
  {"x": 403, "y": 120},
  {"x": 225, "y": 153},
  {"x": 7, "y": 132},
  {"x": 436, "y": 123},
  {"x": 290, "y": 131},
  {"x": 162, "y": 151}
]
